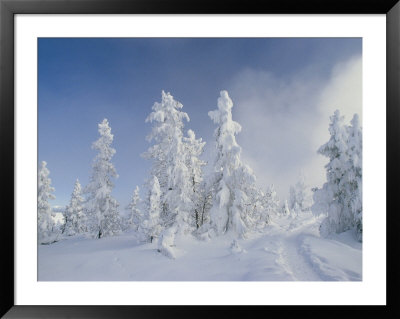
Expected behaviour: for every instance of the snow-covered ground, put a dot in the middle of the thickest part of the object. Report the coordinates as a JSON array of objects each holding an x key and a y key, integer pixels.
[{"x": 289, "y": 249}]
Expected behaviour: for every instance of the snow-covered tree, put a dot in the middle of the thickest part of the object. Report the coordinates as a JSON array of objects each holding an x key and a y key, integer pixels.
[
  {"x": 300, "y": 196},
  {"x": 152, "y": 224},
  {"x": 46, "y": 225},
  {"x": 233, "y": 181},
  {"x": 135, "y": 216},
  {"x": 257, "y": 208},
  {"x": 170, "y": 162},
  {"x": 271, "y": 201},
  {"x": 193, "y": 150},
  {"x": 340, "y": 196},
  {"x": 170, "y": 167},
  {"x": 285, "y": 209},
  {"x": 75, "y": 221},
  {"x": 354, "y": 176},
  {"x": 205, "y": 204},
  {"x": 329, "y": 199},
  {"x": 101, "y": 206}
]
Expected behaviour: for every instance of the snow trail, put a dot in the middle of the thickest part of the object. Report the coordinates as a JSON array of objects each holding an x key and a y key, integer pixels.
[{"x": 288, "y": 239}]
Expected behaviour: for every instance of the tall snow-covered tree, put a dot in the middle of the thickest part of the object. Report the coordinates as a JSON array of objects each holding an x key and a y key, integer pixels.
[
  {"x": 101, "y": 206},
  {"x": 135, "y": 216},
  {"x": 257, "y": 208},
  {"x": 300, "y": 196},
  {"x": 285, "y": 209},
  {"x": 167, "y": 119},
  {"x": 170, "y": 168},
  {"x": 271, "y": 201},
  {"x": 193, "y": 150},
  {"x": 46, "y": 225},
  {"x": 231, "y": 179},
  {"x": 152, "y": 224},
  {"x": 74, "y": 216},
  {"x": 169, "y": 162},
  {"x": 354, "y": 176},
  {"x": 205, "y": 204},
  {"x": 340, "y": 196}
]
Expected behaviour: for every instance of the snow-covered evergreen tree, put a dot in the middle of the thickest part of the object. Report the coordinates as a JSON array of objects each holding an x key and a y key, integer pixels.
[
  {"x": 75, "y": 221},
  {"x": 46, "y": 225},
  {"x": 340, "y": 196},
  {"x": 170, "y": 163},
  {"x": 193, "y": 150},
  {"x": 300, "y": 197},
  {"x": 354, "y": 177},
  {"x": 233, "y": 181},
  {"x": 135, "y": 216},
  {"x": 152, "y": 225},
  {"x": 170, "y": 166},
  {"x": 271, "y": 201},
  {"x": 329, "y": 199},
  {"x": 101, "y": 206},
  {"x": 285, "y": 209},
  {"x": 258, "y": 208},
  {"x": 205, "y": 204}
]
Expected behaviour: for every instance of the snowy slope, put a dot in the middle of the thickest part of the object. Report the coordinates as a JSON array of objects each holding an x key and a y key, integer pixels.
[{"x": 289, "y": 249}]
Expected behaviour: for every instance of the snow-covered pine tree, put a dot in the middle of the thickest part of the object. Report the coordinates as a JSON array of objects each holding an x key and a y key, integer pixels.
[
  {"x": 340, "y": 196},
  {"x": 329, "y": 199},
  {"x": 169, "y": 166},
  {"x": 167, "y": 119},
  {"x": 169, "y": 157},
  {"x": 46, "y": 225},
  {"x": 101, "y": 206},
  {"x": 151, "y": 225},
  {"x": 354, "y": 176},
  {"x": 74, "y": 216},
  {"x": 232, "y": 179},
  {"x": 285, "y": 209},
  {"x": 193, "y": 150},
  {"x": 271, "y": 201},
  {"x": 300, "y": 196},
  {"x": 135, "y": 217},
  {"x": 205, "y": 204},
  {"x": 258, "y": 210}
]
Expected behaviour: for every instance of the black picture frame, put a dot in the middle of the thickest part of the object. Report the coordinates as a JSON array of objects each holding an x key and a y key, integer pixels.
[{"x": 8, "y": 8}]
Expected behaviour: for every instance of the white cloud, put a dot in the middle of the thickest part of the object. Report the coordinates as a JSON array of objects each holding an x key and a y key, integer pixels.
[{"x": 285, "y": 120}]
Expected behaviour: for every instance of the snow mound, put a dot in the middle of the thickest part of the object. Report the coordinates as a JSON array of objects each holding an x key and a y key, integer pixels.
[
  {"x": 166, "y": 243},
  {"x": 236, "y": 248}
]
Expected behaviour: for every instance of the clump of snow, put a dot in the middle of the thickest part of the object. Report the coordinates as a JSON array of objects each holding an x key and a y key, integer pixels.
[
  {"x": 166, "y": 243},
  {"x": 236, "y": 248}
]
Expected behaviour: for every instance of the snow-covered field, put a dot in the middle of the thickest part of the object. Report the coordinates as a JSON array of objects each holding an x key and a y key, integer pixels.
[{"x": 289, "y": 249}]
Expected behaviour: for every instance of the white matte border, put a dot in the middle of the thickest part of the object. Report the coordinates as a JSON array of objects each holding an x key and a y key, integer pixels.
[{"x": 372, "y": 290}]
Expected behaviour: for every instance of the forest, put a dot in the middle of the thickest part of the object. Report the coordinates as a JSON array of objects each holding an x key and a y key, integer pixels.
[{"x": 184, "y": 206}]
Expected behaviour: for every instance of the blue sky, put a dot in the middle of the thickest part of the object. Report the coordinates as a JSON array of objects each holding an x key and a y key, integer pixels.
[{"x": 282, "y": 91}]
